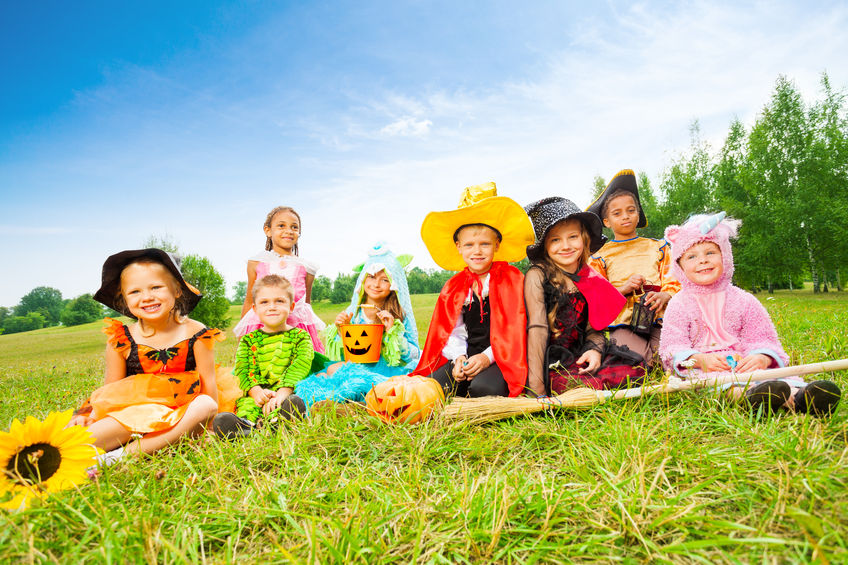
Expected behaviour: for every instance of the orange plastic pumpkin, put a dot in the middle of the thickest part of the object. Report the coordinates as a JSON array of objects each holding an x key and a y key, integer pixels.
[
  {"x": 405, "y": 398},
  {"x": 362, "y": 342}
]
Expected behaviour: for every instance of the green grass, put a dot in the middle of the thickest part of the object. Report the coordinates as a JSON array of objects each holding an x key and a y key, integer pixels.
[{"x": 684, "y": 478}]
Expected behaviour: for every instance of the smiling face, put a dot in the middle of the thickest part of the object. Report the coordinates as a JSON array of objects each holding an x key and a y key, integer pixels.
[
  {"x": 702, "y": 263},
  {"x": 622, "y": 216},
  {"x": 477, "y": 245},
  {"x": 273, "y": 305},
  {"x": 565, "y": 245},
  {"x": 149, "y": 291},
  {"x": 284, "y": 232},
  {"x": 377, "y": 287}
]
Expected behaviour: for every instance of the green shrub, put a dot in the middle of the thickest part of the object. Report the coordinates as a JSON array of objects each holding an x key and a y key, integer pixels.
[{"x": 212, "y": 309}]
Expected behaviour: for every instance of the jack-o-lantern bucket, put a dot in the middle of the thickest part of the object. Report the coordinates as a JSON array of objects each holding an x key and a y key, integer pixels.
[
  {"x": 405, "y": 398},
  {"x": 361, "y": 342}
]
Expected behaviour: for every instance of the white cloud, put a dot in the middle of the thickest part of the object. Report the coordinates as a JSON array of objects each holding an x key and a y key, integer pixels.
[{"x": 407, "y": 127}]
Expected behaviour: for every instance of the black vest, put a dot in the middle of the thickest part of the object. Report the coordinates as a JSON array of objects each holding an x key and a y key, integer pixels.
[{"x": 477, "y": 324}]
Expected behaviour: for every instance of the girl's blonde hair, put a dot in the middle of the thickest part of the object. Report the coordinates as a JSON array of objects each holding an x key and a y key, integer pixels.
[
  {"x": 558, "y": 278},
  {"x": 270, "y": 218},
  {"x": 392, "y": 305},
  {"x": 181, "y": 307}
]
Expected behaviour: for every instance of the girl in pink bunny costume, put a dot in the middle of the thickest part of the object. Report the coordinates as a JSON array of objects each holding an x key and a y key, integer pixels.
[{"x": 711, "y": 322}]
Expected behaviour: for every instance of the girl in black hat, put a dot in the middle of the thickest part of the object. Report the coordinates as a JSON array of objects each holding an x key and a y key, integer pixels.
[
  {"x": 160, "y": 371},
  {"x": 569, "y": 305}
]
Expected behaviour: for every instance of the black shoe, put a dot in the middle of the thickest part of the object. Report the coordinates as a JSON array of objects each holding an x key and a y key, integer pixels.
[
  {"x": 818, "y": 398},
  {"x": 230, "y": 426},
  {"x": 292, "y": 408},
  {"x": 768, "y": 395}
]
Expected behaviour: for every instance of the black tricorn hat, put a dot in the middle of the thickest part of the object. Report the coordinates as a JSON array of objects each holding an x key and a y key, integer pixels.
[
  {"x": 624, "y": 179},
  {"x": 111, "y": 280},
  {"x": 547, "y": 212}
]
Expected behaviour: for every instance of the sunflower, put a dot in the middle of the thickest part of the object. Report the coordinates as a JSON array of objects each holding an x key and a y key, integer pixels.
[{"x": 42, "y": 457}]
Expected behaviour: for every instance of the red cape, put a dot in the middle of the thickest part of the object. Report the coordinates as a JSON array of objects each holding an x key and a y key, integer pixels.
[{"x": 508, "y": 331}]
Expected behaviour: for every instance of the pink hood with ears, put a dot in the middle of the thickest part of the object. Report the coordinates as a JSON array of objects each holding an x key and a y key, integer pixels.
[{"x": 703, "y": 227}]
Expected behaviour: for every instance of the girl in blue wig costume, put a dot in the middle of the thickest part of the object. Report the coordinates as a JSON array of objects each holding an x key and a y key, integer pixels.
[{"x": 381, "y": 295}]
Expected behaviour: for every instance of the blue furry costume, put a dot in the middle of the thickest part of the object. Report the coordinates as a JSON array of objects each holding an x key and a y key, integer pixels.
[{"x": 400, "y": 350}]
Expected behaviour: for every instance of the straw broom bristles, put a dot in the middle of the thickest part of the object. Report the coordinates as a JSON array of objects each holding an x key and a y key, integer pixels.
[{"x": 491, "y": 408}]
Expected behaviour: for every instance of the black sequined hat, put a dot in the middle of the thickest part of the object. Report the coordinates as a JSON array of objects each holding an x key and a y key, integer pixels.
[
  {"x": 114, "y": 266},
  {"x": 547, "y": 212},
  {"x": 625, "y": 180}
]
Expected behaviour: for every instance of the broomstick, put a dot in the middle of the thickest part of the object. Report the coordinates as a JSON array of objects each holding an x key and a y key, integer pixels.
[{"x": 491, "y": 408}]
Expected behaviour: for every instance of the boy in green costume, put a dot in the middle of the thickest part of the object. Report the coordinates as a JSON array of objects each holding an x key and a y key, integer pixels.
[{"x": 270, "y": 361}]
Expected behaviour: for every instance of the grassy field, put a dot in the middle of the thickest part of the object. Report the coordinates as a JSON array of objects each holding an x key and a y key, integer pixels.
[{"x": 684, "y": 478}]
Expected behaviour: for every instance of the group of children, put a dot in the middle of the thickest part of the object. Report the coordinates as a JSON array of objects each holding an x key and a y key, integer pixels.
[{"x": 494, "y": 330}]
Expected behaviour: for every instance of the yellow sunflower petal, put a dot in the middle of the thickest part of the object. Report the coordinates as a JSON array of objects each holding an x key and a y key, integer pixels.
[
  {"x": 17, "y": 502},
  {"x": 73, "y": 446}
]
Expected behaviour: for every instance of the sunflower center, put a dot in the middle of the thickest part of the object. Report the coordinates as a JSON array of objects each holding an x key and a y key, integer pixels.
[{"x": 34, "y": 464}]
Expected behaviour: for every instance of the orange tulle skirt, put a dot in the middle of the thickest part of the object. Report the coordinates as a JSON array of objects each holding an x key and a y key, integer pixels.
[{"x": 147, "y": 402}]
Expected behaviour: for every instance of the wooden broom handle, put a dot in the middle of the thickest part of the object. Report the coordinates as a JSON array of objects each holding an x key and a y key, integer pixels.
[{"x": 753, "y": 376}]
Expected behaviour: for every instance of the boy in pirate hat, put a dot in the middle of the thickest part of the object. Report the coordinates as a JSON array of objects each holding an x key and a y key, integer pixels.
[
  {"x": 639, "y": 267},
  {"x": 476, "y": 345}
]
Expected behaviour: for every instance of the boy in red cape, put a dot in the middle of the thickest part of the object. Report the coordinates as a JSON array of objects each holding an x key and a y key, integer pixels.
[{"x": 477, "y": 342}]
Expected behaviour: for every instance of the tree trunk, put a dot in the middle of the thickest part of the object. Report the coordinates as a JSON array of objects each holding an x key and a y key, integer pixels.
[
  {"x": 770, "y": 285},
  {"x": 813, "y": 270},
  {"x": 838, "y": 281}
]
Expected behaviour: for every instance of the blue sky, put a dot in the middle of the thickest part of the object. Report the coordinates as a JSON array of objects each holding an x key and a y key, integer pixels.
[{"x": 119, "y": 121}]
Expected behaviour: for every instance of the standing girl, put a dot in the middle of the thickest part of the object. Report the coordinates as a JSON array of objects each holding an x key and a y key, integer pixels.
[
  {"x": 160, "y": 371},
  {"x": 282, "y": 232},
  {"x": 380, "y": 296},
  {"x": 569, "y": 304}
]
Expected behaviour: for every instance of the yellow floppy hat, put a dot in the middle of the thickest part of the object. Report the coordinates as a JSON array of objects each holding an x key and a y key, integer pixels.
[{"x": 479, "y": 205}]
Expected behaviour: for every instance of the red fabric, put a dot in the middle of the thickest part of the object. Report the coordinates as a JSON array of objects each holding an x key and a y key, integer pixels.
[
  {"x": 605, "y": 302},
  {"x": 508, "y": 332},
  {"x": 612, "y": 377}
]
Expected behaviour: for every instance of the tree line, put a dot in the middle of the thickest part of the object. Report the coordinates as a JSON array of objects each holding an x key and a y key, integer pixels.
[
  {"x": 340, "y": 289},
  {"x": 785, "y": 177},
  {"x": 44, "y": 306}
]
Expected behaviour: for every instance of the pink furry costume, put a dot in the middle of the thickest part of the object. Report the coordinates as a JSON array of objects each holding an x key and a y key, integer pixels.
[{"x": 716, "y": 318}]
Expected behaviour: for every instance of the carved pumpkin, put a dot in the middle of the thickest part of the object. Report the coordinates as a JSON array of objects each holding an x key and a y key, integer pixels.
[
  {"x": 361, "y": 342},
  {"x": 405, "y": 398}
]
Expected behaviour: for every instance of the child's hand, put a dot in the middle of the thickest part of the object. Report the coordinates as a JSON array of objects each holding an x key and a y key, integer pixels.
[
  {"x": 80, "y": 420},
  {"x": 343, "y": 318},
  {"x": 475, "y": 364},
  {"x": 276, "y": 400},
  {"x": 260, "y": 395},
  {"x": 458, "y": 363},
  {"x": 657, "y": 300},
  {"x": 387, "y": 319},
  {"x": 710, "y": 362},
  {"x": 592, "y": 360},
  {"x": 635, "y": 282},
  {"x": 754, "y": 362}
]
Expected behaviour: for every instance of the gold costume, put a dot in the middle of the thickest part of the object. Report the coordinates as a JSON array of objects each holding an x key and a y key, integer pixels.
[{"x": 651, "y": 258}]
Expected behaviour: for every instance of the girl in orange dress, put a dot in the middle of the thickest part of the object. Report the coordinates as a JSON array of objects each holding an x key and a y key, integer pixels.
[{"x": 160, "y": 371}]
